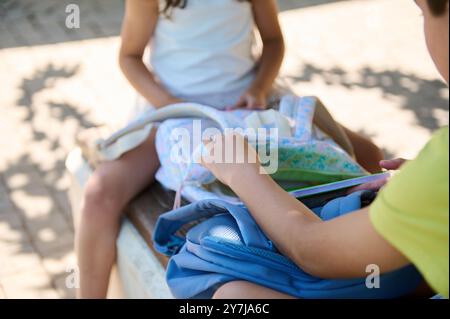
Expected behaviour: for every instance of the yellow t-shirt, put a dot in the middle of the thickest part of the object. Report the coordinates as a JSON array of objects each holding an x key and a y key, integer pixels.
[{"x": 412, "y": 212}]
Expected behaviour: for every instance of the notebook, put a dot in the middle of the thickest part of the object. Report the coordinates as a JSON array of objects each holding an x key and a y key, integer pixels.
[
  {"x": 311, "y": 196},
  {"x": 316, "y": 196}
]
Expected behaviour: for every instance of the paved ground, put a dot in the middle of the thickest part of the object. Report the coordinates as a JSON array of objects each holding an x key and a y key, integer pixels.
[{"x": 365, "y": 59}]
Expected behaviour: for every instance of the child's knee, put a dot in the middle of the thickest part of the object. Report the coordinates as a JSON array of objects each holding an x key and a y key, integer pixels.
[
  {"x": 230, "y": 290},
  {"x": 247, "y": 290},
  {"x": 371, "y": 157},
  {"x": 367, "y": 153},
  {"x": 374, "y": 150},
  {"x": 102, "y": 196}
]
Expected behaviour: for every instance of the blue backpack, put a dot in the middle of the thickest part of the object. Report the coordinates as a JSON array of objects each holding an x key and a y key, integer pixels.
[{"x": 227, "y": 245}]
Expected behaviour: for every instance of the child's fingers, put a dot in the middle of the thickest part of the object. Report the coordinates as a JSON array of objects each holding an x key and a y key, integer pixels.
[
  {"x": 256, "y": 103},
  {"x": 392, "y": 164},
  {"x": 386, "y": 164},
  {"x": 373, "y": 186},
  {"x": 241, "y": 103},
  {"x": 262, "y": 106},
  {"x": 253, "y": 104}
]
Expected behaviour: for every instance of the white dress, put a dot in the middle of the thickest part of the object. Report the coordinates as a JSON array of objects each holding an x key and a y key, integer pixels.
[{"x": 204, "y": 53}]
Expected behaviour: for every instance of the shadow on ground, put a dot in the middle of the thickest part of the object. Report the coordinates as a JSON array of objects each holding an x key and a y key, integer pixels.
[
  {"x": 44, "y": 181},
  {"x": 422, "y": 97}
]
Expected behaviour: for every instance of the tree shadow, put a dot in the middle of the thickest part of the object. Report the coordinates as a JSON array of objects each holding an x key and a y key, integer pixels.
[
  {"x": 422, "y": 97},
  {"x": 40, "y": 80},
  {"x": 43, "y": 182}
]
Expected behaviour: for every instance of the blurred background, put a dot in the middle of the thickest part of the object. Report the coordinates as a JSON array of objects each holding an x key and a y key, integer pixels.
[{"x": 366, "y": 59}]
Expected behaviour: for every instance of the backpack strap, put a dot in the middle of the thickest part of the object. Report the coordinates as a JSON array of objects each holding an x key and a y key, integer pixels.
[{"x": 347, "y": 204}]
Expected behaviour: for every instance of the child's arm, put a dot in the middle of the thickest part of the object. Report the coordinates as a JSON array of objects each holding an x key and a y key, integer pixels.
[
  {"x": 266, "y": 18},
  {"x": 339, "y": 248},
  {"x": 139, "y": 24}
]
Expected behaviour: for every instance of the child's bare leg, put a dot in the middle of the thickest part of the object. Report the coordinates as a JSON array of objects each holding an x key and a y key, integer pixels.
[
  {"x": 247, "y": 290},
  {"x": 368, "y": 155},
  {"x": 107, "y": 193}
]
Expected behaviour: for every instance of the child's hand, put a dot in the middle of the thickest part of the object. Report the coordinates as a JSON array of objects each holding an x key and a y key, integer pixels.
[
  {"x": 172, "y": 100},
  {"x": 230, "y": 158},
  {"x": 252, "y": 99},
  {"x": 391, "y": 165}
]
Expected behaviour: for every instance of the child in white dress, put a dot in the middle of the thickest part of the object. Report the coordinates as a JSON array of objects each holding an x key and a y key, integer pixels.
[{"x": 201, "y": 51}]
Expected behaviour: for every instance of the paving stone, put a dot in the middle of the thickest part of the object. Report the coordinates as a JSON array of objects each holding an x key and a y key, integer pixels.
[
  {"x": 5, "y": 202},
  {"x": 8, "y": 40},
  {"x": 11, "y": 229},
  {"x": 22, "y": 177},
  {"x": 61, "y": 288},
  {"x": 47, "y": 229},
  {"x": 59, "y": 261},
  {"x": 37, "y": 204},
  {"x": 33, "y": 284},
  {"x": 64, "y": 205},
  {"x": 45, "y": 248},
  {"x": 11, "y": 217},
  {"x": 2, "y": 293},
  {"x": 15, "y": 258}
]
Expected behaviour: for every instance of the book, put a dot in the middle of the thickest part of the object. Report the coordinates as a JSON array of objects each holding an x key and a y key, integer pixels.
[
  {"x": 316, "y": 196},
  {"x": 311, "y": 196}
]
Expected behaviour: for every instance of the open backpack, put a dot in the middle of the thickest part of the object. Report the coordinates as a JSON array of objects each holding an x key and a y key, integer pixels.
[{"x": 227, "y": 245}]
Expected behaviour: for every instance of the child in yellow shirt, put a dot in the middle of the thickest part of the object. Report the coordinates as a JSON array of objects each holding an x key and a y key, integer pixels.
[{"x": 407, "y": 223}]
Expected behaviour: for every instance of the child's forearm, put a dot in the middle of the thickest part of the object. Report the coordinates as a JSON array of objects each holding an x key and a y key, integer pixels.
[
  {"x": 143, "y": 81},
  {"x": 269, "y": 65},
  {"x": 340, "y": 248},
  {"x": 281, "y": 216}
]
